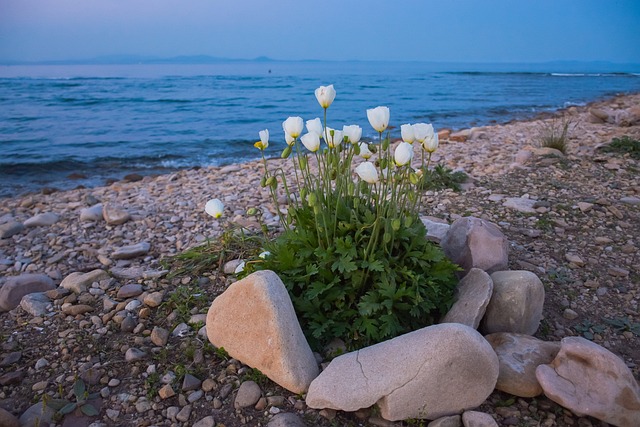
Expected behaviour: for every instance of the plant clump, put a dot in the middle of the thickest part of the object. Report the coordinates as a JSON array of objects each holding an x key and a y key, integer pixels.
[
  {"x": 354, "y": 254},
  {"x": 554, "y": 133},
  {"x": 624, "y": 145}
]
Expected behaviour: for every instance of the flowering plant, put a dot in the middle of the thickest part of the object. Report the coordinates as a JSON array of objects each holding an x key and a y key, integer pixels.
[{"x": 354, "y": 254}]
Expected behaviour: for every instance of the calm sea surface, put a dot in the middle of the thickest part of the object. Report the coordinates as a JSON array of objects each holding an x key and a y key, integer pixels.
[{"x": 106, "y": 121}]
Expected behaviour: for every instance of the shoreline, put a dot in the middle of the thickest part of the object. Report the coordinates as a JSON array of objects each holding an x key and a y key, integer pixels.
[{"x": 134, "y": 174}]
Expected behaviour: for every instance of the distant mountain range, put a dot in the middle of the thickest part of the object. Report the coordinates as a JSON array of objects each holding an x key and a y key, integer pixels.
[{"x": 555, "y": 66}]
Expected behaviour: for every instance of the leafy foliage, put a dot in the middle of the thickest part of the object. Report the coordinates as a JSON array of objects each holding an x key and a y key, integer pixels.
[
  {"x": 82, "y": 397},
  {"x": 441, "y": 177},
  {"x": 555, "y": 134},
  {"x": 362, "y": 297},
  {"x": 624, "y": 145}
]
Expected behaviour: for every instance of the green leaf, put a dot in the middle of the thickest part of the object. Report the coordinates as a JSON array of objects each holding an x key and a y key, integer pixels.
[
  {"x": 68, "y": 408},
  {"x": 89, "y": 410},
  {"x": 79, "y": 389}
]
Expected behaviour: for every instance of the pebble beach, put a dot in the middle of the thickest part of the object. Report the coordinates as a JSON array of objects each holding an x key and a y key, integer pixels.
[{"x": 573, "y": 219}]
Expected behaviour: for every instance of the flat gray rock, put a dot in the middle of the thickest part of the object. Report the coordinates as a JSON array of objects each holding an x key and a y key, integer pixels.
[
  {"x": 93, "y": 213},
  {"x": 16, "y": 287},
  {"x": 78, "y": 281},
  {"x": 131, "y": 251},
  {"x": 41, "y": 220},
  {"x": 10, "y": 228},
  {"x": 473, "y": 294}
]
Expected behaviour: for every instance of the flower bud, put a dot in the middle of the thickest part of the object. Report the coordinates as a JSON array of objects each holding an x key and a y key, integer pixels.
[
  {"x": 325, "y": 95},
  {"x": 378, "y": 118},
  {"x": 214, "y": 207}
]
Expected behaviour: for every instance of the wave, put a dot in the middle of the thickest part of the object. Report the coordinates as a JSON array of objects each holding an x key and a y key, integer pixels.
[{"x": 541, "y": 73}]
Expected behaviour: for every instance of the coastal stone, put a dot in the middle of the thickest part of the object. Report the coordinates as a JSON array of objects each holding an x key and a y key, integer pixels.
[
  {"x": 569, "y": 314},
  {"x": 589, "y": 380},
  {"x": 130, "y": 290},
  {"x": 10, "y": 359},
  {"x": 474, "y": 242},
  {"x": 286, "y": 419},
  {"x": 12, "y": 378},
  {"x": 159, "y": 336},
  {"x": 436, "y": 228},
  {"x": 519, "y": 356},
  {"x": 248, "y": 395},
  {"x": 448, "y": 421},
  {"x": 602, "y": 115},
  {"x": 184, "y": 414},
  {"x": 35, "y": 304},
  {"x": 473, "y": 294},
  {"x": 166, "y": 391},
  {"x": 574, "y": 259},
  {"x": 520, "y": 204},
  {"x": 460, "y": 136},
  {"x": 523, "y": 156},
  {"x": 207, "y": 421},
  {"x": 190, "y": 383},
  {"x": 93, "y": 213},
  {"x": 478, "y": 419},
  {"x": 16, "y": 287},
  {"x": 516, "y": 304},
  {"x": 153, "y": 299},
  {"x": 37, "y": 415},
  {"x": 127, "y": 273},
  {"x": 131, "y": 251},
  {"x": 10, "y": 228},
  {"x": 255, "y": 322},
  {"x": 41, "y": 220},
  {"x": 78, "y": 282},
  {"x": 429, "y": 373},
  {"x": 134, "y": 355},
  {"x": 230, "y": 267},
  {"x": 7, "y": 419},
  {"x": 630, "y": 200},
  {"x": 76, "y": 309},
  {"x": 114, "y": 214}
]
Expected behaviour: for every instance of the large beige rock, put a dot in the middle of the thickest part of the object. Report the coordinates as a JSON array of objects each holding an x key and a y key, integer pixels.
[
  {"x": 255, "y": 322},
  {"x": 78, "y": 281},
  {"x": 114, "y": 214},
  {"x": 519, "y": 356},
  {"x": 590, "y": 380},
  {"x": 516, "y": 303},
  {"x": 473, "y": 242},
  {"x": 17, "y": 287},
  {"x": 473, "y": 294},
  {"x": 429, "y": 373}
]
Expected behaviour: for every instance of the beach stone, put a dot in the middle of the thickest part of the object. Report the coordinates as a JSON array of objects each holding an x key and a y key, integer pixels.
[
  {"x": 519, "y": 356},
  {"x": 523, "y": 156},
  {"x": 448, "y": 421},
  {"x": 286, "y": 419},
  {"x": 460, "y": 136},
  {"x": 478, "y": 419},
  {"x": 474, "y": 242},
  {"x": 429, "y": 373},
  {"x": 516, "y": 303},
  {"x": 473, "y": 294},
  {"x": 127, "y": 273},
  {"x": 153, "y": 299},
  {"x": 43, "y": 219},
  {"x": 130, "y": 290},
  {"x": 76, "y": 309},
  {"x": 255, "y": 322},
  {"x": 134, "y": 355},
  {"x": 35, "y": 304},
  {"x": 207, "y": 421},
  {"x": 520, "y": 204},
  {"x": 78, "y": 281},
  {"x": 600, "y": 114},
  {"x": 131, "y": 251},
  {"x": 190, "y": 383},
  {"x": 436, "y": 228},
  {"x": 7, "y": 419},
  {"x": 10, "y": 359},
  {"x": 114, "y": 214},
  {"x": 37, "y": 415},
  {"x": 10, "y": 228},
  {"x": 159, "y": 336},
  {"x": 248, "y": 395},
  {"x": 92, "y": 213},
  {"x": 590, "y": 380},
  {"x": 16, "y": 287}
]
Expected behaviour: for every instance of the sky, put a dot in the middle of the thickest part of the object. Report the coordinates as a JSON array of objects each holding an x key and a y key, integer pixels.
[{"x": 509, "y": 31}]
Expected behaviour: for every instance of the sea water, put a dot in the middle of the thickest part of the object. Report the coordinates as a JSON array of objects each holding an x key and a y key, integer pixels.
[{"x": 95, "y": 122}]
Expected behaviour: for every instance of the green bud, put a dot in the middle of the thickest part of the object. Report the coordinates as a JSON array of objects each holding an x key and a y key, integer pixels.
[
  {"x": 408, "y": 220},
  {"x": 303, "y": 162},
  {"x": 395, "y": 224},
  {"x": 412, "y": 196},
  {"x": 263, "y": 182},
  {"x": 312, "y": 199},
  {"x": 384, "y": 163},
  {"x": 333, "y": 175},
  {"x": 414, "y": 178},
  {"x": 385, "y": 144},
  {"x": 270, "y": 181},
  {"x": 286, "y": 152},
  {"x": 356, "y": 149},
  {"x": 252, "y": 211},
  {"x": 386, "y": 237},
  {"x": 373, "y": 148}
]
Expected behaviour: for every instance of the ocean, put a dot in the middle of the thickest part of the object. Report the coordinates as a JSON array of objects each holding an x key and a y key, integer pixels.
[{"x": 63, "y": 126}]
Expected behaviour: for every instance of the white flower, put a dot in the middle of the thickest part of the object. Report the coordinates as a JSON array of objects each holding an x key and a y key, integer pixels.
[
  {"x": 264, "y": 139},
  {"x": 422, "y": 131},
  {"x": 430, "y": 144},
  {"x": 368, "y": 172},
  {"x": 240, "y": 268},
  {"x": 365, "y": 153},
  {"x": 403, "y": 154},
  {"x": 214, "y": 207},
  {"x": 311, "y": 141},
  {"x": 293, "y": 126},
  {"x": 408, "y": 134},
  {"x": 379, "y": 118},
  {"x": 289, "y": 139},
  {"x": 353, "y": 133},
  {"x": 333, "y": 137},
  {"x": 264, "y": 254},
  {"x": 315, "y": 126},
  {"x": 325, "y": 95}
]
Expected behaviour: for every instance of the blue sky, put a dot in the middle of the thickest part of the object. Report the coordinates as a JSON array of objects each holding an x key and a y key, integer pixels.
[{"x": 422, "y": 30}]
